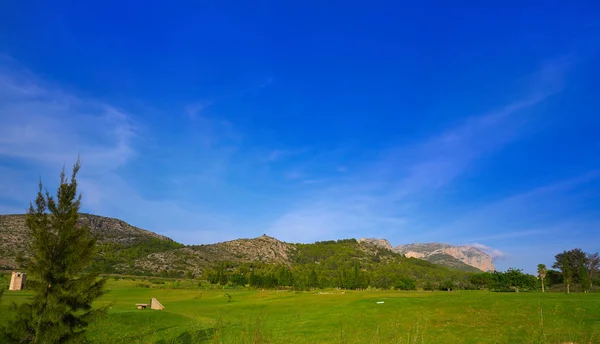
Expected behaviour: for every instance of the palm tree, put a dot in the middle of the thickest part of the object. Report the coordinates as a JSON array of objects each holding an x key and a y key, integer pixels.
[{"x": 542, "y": 273}]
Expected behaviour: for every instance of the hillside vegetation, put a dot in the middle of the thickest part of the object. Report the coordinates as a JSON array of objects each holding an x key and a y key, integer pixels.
[
  {"x": 260, "y": 262},
  {"x": 120, "y": 244}
]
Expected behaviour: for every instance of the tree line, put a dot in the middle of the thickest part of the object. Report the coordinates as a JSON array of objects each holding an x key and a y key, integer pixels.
[
  {"x": 111, "y": 255},
  {"x": 575, "y": 269},
  {"x": 344, "y": 264},
  {"x": 345, "y": 267}
]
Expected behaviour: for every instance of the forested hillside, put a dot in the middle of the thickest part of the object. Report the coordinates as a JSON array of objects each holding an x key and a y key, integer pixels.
[
  {"x": 345, "y": 264},
  {"x": 261, "y": 262},
  {"x": 119, "y": 243}
]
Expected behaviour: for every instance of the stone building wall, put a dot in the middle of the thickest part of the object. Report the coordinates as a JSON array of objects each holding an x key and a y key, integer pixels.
[{"x": 17, "y": 281}]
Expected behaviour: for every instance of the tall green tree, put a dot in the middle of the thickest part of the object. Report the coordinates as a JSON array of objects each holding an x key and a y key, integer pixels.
[
  {"x": 313, "y": 279},
  {"x": 566, "y": 270},
  {"x": 64, "y": 288},
  {"x": 593, "y": 264},
  {"x": 541, "y": 270},
  {"x": 284, "y": 277},
  {"x": 516, "y": 279},
  {"x": 569, "y": 263},
  {"x": 584, "y": 278},
  {"x": 483, "y": 280}
]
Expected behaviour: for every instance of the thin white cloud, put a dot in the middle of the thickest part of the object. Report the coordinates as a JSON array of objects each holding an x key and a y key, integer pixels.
[
  {"x": 512, "y": 235},
  {"x": 294, "y": 174},
  {"x": 281, "y": 154},
  {"x": 43, "y": 128},
  {"x": 324, "y": 220},
  {"x": 195, "y": 110},
  {"x": 51, "y": 127},
  {"x": 395, "y": 183},
  {"x": 533, "y": 208},
  {"x": 495, "y": 254}
]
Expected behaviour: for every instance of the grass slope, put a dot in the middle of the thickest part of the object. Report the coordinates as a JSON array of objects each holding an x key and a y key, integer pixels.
[{"x": 334, "y": 316}]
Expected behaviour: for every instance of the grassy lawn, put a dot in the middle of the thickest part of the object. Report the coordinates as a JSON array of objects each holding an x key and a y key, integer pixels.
[{"x": 195, "y": 316}]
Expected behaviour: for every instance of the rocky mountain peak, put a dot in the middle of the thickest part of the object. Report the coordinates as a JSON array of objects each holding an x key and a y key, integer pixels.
[
  {"x": 263, "y": 248},
  {"x": 437, "y": 252},
  {"x": 383, "y": 243}
]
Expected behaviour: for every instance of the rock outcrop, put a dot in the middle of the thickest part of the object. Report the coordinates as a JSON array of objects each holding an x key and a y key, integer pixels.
[
  {"x": 436, "y": 253},
  {"x": 196, "y": 258},
  {"x": 383, "y": 243}
]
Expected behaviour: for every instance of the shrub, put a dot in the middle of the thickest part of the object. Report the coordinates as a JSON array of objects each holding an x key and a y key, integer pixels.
[{"x": 405, "y": 283}]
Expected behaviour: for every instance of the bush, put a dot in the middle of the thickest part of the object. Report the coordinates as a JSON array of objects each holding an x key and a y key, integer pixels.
[
  {"x": 405, "y": 283},
  {"x": 429, "y": 286},
  {"x": 447, "y": 285}
]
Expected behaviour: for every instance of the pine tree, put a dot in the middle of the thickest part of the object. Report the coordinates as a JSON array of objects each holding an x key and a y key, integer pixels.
[{"x": 61, "y": 253}]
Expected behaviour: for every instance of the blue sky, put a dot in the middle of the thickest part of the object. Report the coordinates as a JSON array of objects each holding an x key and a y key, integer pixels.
[{"x": 313, "y": 121}]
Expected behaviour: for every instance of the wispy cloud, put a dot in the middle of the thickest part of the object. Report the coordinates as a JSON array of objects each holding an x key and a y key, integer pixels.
[
  {"x": 511, "y": 235},
  {"x": 495, "y": 254},
  {"x": 43, "y": 128},
  {"x": 532, "y": 208},
  {"x": 535, "y": 223},
  {"x": 281, "y": 154},
  {"x": 399, "y": 180},
  {"x": 194, "y": 110},
  {"x": 37, "y": 123}
]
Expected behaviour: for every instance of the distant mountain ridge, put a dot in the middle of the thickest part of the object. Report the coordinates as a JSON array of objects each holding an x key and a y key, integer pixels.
[
  {"x": 14, "y": 239},
  {"x": 443, "y": 254},
  {"x": 438, "y": 253},
  {"x": 128, "y": 249}
]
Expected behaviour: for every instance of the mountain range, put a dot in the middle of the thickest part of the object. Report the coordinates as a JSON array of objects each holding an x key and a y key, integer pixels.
[{"x": 126, "y": 249}]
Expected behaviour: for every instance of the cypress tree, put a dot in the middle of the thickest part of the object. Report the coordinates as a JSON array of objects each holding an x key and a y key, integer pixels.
[
  {"x": 64, "y": 288},
  {"x": 313, "y": 279},
  {"x": 585, "y": 278}
]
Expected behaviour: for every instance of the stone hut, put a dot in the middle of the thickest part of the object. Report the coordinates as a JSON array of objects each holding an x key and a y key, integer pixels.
[{"x": 17, "y": 281}]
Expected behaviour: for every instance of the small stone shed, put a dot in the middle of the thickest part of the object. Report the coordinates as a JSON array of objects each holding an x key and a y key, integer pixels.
[{"x": 17, "y": 281}]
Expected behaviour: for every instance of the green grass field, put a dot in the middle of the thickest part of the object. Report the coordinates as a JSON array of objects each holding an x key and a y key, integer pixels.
[{"x": 331, "y": 316}]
